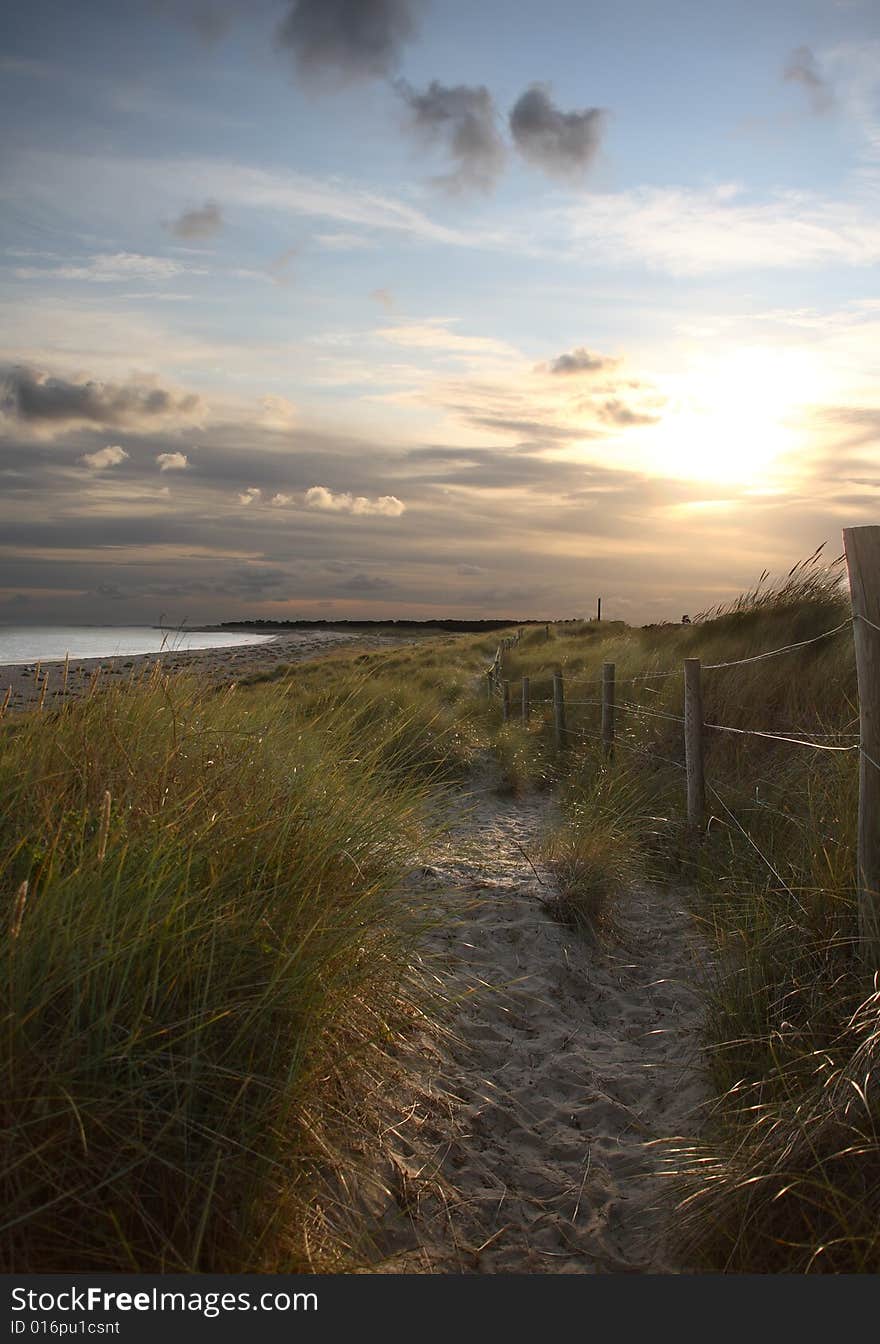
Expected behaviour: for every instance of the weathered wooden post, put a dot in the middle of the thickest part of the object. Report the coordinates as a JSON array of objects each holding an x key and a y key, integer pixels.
[
  {"x": 559, "y": 710},
  {"x": 598, "y": 609},
  {"x": 526, "y": 702},
  {"x": 505, "y": 701},
  {"x": 546, "y": 632},
  {"x": 862, "y": 549},
  {"x": 490, "y": 680},
  {"x": 608, "y": 708},
  {"x": 693, "y": 743}
]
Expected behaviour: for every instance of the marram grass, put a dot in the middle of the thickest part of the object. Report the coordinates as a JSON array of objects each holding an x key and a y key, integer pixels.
[
  {"x": 204, "y": 940},
  {"x": 207, "y": 960}
]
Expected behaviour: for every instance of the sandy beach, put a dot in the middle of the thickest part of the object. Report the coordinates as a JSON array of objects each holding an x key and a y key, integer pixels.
[{"x": 27, "y": 683}]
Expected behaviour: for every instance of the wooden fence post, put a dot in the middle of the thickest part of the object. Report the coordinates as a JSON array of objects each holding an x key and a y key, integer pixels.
[
  {"x": 505, "y": 701},
  {"x": 598, "y": 609},
  {"x": 490, "y": 680},
  {"x": 693, "y": 743},
  {"x": 559, "y": 710},
  {"x": 526, "y": 702},
  {"x": 862, "y": 549},
  {"x": 608, "y": 708}
]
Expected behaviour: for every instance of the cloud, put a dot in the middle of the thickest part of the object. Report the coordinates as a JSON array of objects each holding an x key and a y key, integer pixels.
[
  {"x": 203, "y": 223},
  {"x": 111, "y": 456},
  {"x": 337, "y": 42},
  {"x": 560, "y": 143},
  {"x": 279, "y": 267},
  {"x": 172, "y": 461},
  {"x": 279, "y": 500},
  {"x": 460, "y": 118},
  {"x": 319, "y": 497},
  {"x": 277, "y": 413},
  {"x": 802, "y": 69},
  {"x": 250, "y": 495},
  {"x": 581, "y": 360},
  {"x": 617, "y": 412},
  {"x": 105, "y": 268},
  {"x": 433, "y": 334},
  {"x": 383, "y": 296},
  {"x": 698, "y": 231},
  {"x": 344, "y": 242},
  {"x": 367, "y": 583},
  {"x": 45, "y": 402}
]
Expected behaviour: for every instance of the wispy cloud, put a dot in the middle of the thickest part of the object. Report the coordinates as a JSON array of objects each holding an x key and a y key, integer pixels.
[
  {"x": 436, "y": 334},
  {"x": 685, "y": 231},
  {"x": 108, "y": 268}
]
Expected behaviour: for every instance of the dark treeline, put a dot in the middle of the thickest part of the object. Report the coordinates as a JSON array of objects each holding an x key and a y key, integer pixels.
[{"x": 450, "y": 624}]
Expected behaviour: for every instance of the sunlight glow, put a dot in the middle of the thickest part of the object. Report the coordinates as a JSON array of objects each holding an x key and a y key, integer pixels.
[{"x": 732, "y": 419}]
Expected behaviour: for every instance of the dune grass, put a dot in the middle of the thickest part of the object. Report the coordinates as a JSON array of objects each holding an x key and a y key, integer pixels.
[
  {"x": 785, "y": 1176},
  {"x": 209, "y": 950},
  {"x": 205, "y": 940}
]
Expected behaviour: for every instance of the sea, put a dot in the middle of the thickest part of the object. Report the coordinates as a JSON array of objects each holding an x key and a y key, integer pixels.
[{"x": 45, "y": 643}]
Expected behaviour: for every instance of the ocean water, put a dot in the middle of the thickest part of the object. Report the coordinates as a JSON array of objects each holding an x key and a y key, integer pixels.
[{"x": 45, "y": 643}]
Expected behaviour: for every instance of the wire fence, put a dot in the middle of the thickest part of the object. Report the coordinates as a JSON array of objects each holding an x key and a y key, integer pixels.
[{"x": 693, "y": 724}]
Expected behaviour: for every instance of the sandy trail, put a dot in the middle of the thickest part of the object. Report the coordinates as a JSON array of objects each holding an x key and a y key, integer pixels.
[{"x": 525, "y": 1145}]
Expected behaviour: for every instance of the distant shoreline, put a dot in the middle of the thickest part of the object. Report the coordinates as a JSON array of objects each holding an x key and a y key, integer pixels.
[{"x": 28, "y": 683}]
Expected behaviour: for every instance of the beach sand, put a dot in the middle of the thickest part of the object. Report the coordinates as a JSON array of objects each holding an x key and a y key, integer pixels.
[
  {"x": 526, "y": 1140},
  {"x": 28, "y": 681}
]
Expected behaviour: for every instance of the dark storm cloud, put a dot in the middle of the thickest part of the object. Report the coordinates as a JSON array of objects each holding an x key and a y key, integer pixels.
[
  {"x": 461, "y": 119},
  {"x": 582, "y": 360},
  {"x": 560, "y": 143},
  {"x": 40, "y": 400},
  {"x": 203, "y": 223},
  {"x": 342, "y": 41},
  {"x": 802, "y": 69}
]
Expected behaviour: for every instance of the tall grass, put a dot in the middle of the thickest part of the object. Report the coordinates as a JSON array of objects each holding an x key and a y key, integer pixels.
[
  {"x": 204, "y": 941},
  {"x": 785, "y": 1176},
  {"x": 208, "y": 946}
]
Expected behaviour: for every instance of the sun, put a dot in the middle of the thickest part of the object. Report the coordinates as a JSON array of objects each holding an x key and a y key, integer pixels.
[{"x": 731, "y": 419}]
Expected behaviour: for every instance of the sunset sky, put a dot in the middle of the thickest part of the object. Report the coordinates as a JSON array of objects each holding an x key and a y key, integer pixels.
[{"x": 427, "y": 307}]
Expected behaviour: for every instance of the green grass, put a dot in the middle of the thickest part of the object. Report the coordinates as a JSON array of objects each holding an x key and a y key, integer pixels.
[
  {"x": 193, "y": 979},
  {"x": 785, "y": 1176},
  {"x": 205, "y": 977}
]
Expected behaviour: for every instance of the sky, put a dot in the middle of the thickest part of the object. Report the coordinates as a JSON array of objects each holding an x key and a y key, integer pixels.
[{"x": 412, "y": 308}]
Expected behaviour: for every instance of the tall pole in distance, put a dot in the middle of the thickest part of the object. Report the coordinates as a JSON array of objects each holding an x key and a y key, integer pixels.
[
  {"x": 862, "y": 549},
  {"x": 598, "y": 609},
  {"x": 693, "y": 744}
]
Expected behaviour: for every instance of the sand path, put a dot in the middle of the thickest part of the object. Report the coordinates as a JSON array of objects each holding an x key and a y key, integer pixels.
[{"x": 526, "y": 1142}]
